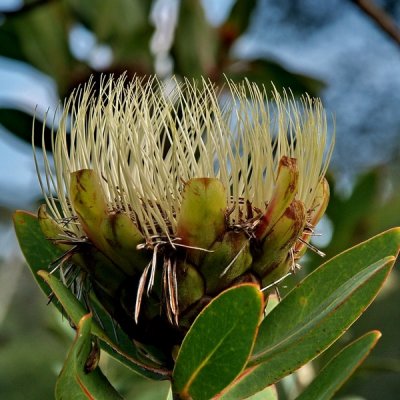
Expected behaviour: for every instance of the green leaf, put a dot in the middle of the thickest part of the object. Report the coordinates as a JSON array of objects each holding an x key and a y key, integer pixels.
[
  {"x": 230, "y": 393},
  {"x": 39, "y": 254},
  {"x": 335, "y": 280},
  {"x": 317, "y": 312},
  {"x": 170, "y": 395},
  {"x": 321, "y": 319},
  {"x": 43, "y": 39},
  {"x": 79, "y": 381},
  {"x": 10, "y": 45},
  {"x": 340, "y": 368},
  {"x": 124, "y": 25},
  {"x": 128, "y": 355},
  {"x": 240, "y": 15},
  {"x": 195, "y": 43},
  {"x": 218, "y": 344},
  {"x": 273, "y": 301},
  {"x": 269, "y": 393},
  {"x": 113, "y": 19}
]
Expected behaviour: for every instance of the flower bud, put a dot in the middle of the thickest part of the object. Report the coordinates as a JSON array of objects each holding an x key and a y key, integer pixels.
[
  {"x": 201, "y": 216},
  {"x": 123, "y": 238},
  {"x": 284, "y": 192},
  {"x": 190, "y": 285},
  {"x": 50, "y": 229},
  {"x": 276, "y": 245},
  {"x": 114, "y": 234},
  {"x": 229, "y": 259},
  {"x": 85, "y": 256},
  {"x": 89, "y": 203}
]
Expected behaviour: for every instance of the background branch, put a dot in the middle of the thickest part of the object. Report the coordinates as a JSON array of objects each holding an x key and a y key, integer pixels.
[{"x": 380, "y": 17}]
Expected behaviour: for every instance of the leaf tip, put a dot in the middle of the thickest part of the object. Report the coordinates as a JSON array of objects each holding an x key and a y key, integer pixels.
[
  {"x": 43, "y": 274},
  {"x": 377, "y": 334},
  {"x": 84, "y": 320}
]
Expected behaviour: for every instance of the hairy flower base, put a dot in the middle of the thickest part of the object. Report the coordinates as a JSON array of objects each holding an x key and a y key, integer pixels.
[{"x": 166, "y": 199}]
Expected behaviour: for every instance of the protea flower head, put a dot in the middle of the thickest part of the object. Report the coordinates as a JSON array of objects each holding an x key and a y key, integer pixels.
[{"x": 161, "y": 198}]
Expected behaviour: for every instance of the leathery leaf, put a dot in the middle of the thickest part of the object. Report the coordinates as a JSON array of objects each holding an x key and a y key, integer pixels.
[
  {"x": 217, "y": 346},
  {"x": 317, "y": 312},
  {"x": 340, "y": 368},
  {"x": 80, "y": 377},
  {"x": 124, "y": 350}
]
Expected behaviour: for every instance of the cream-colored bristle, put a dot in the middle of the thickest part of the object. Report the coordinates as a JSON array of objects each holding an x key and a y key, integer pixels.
[{"x": 145, "y": 140}]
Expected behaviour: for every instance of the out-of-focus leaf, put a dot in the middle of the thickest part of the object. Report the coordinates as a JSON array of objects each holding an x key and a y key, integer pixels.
[
  {"x": 5, "y": 214},
  {"x": 76, "y": 380},
  {"x": 112, "y": 19},
  {"x": 122, "y": 24},
  {"x": 234, "y": 26},
  {"x": 39, "y": 254},
  {"x": 239, "y": 17},
  {"x": 218, "y": 343},
  {"x": 340, "y": 368},
  {"x": 20, "y": 124},
  {"x": 10, "y": 45},
  {"x": 350, "y": 215},
  {"x": 318, "y": 311},
  {"x": 386, "y": 213},
  {"x": 43, "y": 38},
  {"x": 195, "y": 43},
  {"x": 263, "y": 72}
]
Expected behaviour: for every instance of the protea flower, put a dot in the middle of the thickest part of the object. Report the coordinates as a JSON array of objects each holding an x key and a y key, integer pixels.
[{"x": 164, "y": 198}]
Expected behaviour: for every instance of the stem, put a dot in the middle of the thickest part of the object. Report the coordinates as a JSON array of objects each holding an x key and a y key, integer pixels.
[{"x": 382, "y": 19}]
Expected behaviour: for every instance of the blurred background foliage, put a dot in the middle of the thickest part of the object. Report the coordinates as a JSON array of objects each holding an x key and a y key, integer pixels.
[{"x": 48, "y": 47}]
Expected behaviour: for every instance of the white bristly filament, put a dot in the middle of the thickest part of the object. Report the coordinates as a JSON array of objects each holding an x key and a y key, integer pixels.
[{"x": 144, "y": 145}]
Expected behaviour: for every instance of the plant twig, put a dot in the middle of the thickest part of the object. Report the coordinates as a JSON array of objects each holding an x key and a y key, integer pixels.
[{"x": 380, "y": 17}]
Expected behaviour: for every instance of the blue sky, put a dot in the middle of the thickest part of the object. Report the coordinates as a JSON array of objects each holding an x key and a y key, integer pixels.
[{"x": 23, "y": 85}]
